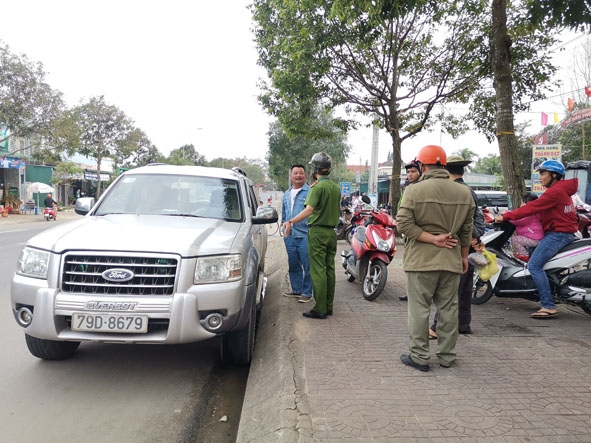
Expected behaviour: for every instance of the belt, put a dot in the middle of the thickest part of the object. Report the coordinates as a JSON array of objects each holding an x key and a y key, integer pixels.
[{"x": 321, "y": 226}]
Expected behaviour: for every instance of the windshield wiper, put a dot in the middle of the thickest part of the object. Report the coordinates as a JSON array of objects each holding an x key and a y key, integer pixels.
[{"x": 184, "y": 215}]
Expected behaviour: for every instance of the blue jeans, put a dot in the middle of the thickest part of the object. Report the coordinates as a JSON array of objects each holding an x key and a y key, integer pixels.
[
  {"x": 299, "y": 265},
  {"x": 546, "y": 249}
]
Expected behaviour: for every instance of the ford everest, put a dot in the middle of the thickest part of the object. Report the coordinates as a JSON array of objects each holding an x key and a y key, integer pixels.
[{"x": 168, "y": 254}]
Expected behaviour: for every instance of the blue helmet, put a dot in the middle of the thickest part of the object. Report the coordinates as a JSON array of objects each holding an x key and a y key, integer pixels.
[{"x": 552, "y": 166}]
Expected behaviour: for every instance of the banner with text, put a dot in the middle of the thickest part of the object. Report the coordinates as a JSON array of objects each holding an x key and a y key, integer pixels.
[{"x": 541, "y": 153}]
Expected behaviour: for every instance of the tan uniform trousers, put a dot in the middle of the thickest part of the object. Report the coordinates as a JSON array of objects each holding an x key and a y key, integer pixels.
[{"x": 441, "y": 289}]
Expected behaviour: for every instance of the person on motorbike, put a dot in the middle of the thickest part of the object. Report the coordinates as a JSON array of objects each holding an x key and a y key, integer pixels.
[
  {"x": 49, "y": 201},
  {"x": 528, "y": 232},
  {"x": 413, "y": 173},
  {"x": 559, "y": 220}
]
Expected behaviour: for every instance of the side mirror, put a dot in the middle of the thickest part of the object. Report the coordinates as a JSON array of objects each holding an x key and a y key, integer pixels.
[
  {"x": 265, "y": 215},
  {"x": 84, "y": 205},
  {"x": 366, "y": 199}
]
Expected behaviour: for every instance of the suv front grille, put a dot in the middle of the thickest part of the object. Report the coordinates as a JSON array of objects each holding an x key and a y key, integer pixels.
[{"x": 152, "y": 275}]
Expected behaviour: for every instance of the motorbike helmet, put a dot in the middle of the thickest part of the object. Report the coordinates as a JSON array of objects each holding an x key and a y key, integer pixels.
[
  {"x": 432, "y": 155},
  {"x": 321, "y": 163},
  {"x": 413, "y": 164},
  {"x": 552, "y": 166}
]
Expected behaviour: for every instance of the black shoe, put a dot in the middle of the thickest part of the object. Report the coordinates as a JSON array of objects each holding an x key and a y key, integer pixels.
[
  {"x": 403, "y": 298},
  {"x": 444, "y": 366},
  {"x": 329, "y": 312},
  {"x": 467, "y": 330},
  {"x": 405, "y": 358},
  {"x": 313, "y": 314}
]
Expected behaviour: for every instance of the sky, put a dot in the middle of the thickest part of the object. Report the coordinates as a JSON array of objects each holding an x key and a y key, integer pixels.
[{"x": 185, "y": 71}]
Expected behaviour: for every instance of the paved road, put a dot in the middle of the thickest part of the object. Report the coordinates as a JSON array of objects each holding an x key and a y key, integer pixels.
[{"x": 105, "y": 392}]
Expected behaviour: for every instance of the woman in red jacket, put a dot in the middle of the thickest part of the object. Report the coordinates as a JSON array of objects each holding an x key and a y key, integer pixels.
[{"x": 559, "y": 219}]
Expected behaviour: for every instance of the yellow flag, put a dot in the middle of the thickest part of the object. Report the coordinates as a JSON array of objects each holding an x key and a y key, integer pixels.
[{"x": 556, "y": 118}]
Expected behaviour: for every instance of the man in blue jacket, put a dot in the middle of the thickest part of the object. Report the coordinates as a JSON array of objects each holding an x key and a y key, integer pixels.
[{"x": 296, "y": 244}]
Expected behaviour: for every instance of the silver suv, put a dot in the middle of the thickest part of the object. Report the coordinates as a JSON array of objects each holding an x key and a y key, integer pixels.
[{"x": 169, "y": 254}]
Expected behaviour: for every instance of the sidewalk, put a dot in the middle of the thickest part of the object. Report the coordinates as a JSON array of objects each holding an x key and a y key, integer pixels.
[
  {"x": 516, "y": 379},
  {"x": 14, "y": 219}
]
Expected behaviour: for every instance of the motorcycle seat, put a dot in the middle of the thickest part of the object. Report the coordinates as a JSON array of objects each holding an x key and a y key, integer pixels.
[{"x": 576, "y": 244}]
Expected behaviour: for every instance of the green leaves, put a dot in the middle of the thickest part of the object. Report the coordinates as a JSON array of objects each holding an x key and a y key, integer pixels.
[{"x": 28, "y": 105}]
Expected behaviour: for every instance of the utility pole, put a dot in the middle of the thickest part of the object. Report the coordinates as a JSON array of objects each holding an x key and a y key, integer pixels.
[{"x": 372, "y": 186}]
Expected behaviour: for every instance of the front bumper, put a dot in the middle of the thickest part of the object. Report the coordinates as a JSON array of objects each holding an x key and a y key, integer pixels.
[{"x": 179, "y": 318}]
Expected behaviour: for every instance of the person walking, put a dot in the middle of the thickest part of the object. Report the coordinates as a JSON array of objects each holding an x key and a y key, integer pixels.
[
  {"x": 413, "y": 173},
  {"x": 296, "y": 244},
  {"x": 322, "y": 211},
  {"x": 455, "y": 166},
  {"x": 436, "y": 215},
  {"x": 559, "y": 219}
]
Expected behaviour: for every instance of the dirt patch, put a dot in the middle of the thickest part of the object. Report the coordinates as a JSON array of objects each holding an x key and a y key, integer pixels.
[{"x": 221, "y": 418}]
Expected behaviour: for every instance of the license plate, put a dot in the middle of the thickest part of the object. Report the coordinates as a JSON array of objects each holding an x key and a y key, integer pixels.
[{"x": 131, "y": 324}]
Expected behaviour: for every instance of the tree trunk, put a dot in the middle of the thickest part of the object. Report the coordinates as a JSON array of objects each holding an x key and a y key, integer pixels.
[
  {"x": 98, "y": 176},
  {"x": 396, "y": 167},
  {"x": 503, "y": 83}
]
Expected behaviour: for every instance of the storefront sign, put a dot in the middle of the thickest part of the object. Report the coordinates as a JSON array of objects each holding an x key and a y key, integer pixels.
[
  {"x": 541, "y": 153},
  {"x": 12, "y": 162},
  {"x": 93, "y": 176}
]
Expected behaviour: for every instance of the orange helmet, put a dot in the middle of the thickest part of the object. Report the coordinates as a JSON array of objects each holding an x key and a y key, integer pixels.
[{"x": 432, "y": 155}]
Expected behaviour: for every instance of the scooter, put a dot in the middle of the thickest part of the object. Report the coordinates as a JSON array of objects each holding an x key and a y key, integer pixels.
[
  {"x": 50, "y": 213},
  {"x": 584, "y": 217},
  {"x": 568, "y": 272},
  {"x": 372, "y": 249},
  {"x": 359, "y": 219},
  {"x": 344, "y": 223}
]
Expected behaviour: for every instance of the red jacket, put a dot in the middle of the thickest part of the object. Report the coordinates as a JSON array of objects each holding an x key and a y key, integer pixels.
[{"x": 555, "y": 207}]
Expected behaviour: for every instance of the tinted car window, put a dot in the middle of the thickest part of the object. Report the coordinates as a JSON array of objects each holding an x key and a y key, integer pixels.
[{"x": 491, "y": 200}]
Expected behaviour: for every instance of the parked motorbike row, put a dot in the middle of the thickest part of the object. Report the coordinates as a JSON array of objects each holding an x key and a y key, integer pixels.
[{"x": 371, "y": 234}]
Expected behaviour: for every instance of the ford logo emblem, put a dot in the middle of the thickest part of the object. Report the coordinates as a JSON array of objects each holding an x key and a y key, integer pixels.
[{"x": 117, "y": 275}]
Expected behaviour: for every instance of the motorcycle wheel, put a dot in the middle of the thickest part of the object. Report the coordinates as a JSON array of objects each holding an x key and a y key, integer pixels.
[
  {"x": 482, "y": 291},
  {"x": 586, "y": 307},
  {"x": 349, "y": 234},
  {"x": 373, "y": 284}
]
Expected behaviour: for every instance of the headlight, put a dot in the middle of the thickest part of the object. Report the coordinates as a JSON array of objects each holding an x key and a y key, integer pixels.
[
  {"x": 381, "y": 244},
  {"x": 33, "y": 263},
  {"x": 218, "y": 269}
]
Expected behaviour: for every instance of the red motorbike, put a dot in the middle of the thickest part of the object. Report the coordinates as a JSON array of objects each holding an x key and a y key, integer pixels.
[
  {"x": 584, "y": 217},
  {"x": 50, "y": 213},
  {"x": 359, "y": 219},
  {"x": 372, "y": 249}
]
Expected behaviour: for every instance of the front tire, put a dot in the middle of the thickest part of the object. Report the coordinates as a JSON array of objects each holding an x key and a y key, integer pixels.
[
  {"x": 586, "y": 307},
  {"x": 375, "y": 280},
  {"x": 349, "y": 234},
  {"x": 238, "y": 346},
  {"x": 482, "y": 291},
  {"x": 51, "y": 349}
]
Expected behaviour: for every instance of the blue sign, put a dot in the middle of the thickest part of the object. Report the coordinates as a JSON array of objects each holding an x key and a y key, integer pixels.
[{"x": 345, "y": 188}]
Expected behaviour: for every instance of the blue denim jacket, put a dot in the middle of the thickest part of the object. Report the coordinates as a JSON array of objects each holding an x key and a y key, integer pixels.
[{"x": 299, "y": 229}]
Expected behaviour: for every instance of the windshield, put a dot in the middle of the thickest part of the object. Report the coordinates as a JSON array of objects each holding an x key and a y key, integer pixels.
[{"x": 184, "y": 195}]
